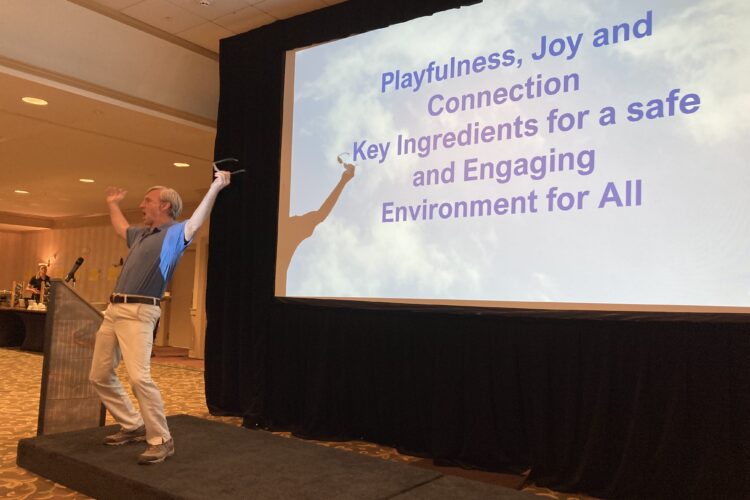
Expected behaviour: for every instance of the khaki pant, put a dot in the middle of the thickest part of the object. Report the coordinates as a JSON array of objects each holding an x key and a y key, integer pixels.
[{"x": 127, "y": 334}]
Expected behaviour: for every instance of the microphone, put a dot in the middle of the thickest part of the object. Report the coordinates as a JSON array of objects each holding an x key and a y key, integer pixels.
[{"x": 71, "y": 275}]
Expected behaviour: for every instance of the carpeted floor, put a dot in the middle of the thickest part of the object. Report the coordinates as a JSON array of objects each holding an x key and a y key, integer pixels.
[{"x": 181, "y": 383}]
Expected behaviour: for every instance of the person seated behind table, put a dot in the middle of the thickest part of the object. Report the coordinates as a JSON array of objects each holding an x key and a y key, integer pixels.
[{"x": 35, "y": 283}]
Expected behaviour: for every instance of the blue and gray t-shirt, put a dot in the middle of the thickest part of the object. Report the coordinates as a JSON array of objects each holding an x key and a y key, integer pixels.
[{"x": 154, "y": 253}]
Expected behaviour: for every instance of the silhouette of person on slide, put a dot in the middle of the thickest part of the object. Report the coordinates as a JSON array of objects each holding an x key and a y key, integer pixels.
[{"x": 295, "y": 229}]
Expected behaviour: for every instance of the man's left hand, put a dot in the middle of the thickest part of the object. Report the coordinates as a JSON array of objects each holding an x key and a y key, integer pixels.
[{"x": 222, "y": 178}]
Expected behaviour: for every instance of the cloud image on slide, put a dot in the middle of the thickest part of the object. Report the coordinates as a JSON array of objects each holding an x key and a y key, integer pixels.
[{"x": 689, "y": 164}]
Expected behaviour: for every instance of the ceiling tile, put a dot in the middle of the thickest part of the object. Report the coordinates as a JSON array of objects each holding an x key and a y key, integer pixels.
[
  {"x": 284, "y": 9},
  {"x": 164, "y": 15},
  {"x": 117, "y": 4},
  {"x": 206, "y": 35},
  {"x": 245, "y": 20},
  {"x": 216, "y": 8}
]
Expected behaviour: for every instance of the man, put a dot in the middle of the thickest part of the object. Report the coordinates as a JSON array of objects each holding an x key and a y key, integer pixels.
[
  {"x": 37, "y": 282},
  {"x": 127, "y": 330}
]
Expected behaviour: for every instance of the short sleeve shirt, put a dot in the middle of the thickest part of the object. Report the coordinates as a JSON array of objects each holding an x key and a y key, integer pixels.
[
  {"x": 153, "y": 256},
  {"x": 37, "y": 282}
]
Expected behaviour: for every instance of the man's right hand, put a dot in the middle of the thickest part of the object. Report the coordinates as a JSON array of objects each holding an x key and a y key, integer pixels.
[{"x": 115, "y": 194}]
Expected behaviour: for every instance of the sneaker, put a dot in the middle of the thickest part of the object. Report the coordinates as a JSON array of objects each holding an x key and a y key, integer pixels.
[
  {"x": 124, "y": 437},
  {"x": 156, "y": 453}
]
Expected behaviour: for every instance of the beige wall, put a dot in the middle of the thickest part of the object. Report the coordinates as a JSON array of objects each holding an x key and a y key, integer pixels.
[
  {"x": 10, "y": 247},
  {"x": 99, "y": 246}
]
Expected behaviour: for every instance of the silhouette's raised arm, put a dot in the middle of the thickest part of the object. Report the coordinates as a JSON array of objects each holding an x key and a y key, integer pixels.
[
  {"x": 328, "y": 204},
  {"x": 298, "y": 228}
]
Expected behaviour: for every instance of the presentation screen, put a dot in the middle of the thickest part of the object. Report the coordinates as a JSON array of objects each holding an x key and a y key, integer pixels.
[{"x": 548, "y": 155}]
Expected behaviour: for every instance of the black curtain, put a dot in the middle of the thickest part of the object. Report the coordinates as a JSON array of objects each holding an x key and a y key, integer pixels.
[{"x": 647, "y": 408}]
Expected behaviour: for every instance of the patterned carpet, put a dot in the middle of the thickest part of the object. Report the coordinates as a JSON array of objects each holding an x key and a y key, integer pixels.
[{"x": 182, "y": 390}]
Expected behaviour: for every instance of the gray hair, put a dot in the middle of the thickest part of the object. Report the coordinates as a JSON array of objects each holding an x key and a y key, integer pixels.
[{"x": 170, "y": 196}]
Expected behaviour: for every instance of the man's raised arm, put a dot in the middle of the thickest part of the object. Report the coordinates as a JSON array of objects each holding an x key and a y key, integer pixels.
[
  {"x": 221, "y": 180},
  {"x": 119, "y": 222}
]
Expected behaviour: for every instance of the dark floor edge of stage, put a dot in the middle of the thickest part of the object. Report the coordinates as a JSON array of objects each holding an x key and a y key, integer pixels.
[{"x": 216, "y": 460}]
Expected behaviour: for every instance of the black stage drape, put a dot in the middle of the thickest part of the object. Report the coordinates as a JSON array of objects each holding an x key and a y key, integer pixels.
[{"x": 646, "y": 408}]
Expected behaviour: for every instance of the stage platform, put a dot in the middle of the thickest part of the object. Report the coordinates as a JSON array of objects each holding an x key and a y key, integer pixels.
[{"x": 218, "y": 461}]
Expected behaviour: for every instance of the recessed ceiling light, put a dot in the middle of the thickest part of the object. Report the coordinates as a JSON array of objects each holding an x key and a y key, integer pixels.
[
  {"x": 34, "y": 100},
  {"x": 21, "y": 191},
  {"x": 86, "y": 180},
  {"x": 181, "y": 165}
]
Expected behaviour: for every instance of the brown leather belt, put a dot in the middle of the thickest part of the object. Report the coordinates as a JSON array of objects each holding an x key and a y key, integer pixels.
[{"x": 133, "y": 299}]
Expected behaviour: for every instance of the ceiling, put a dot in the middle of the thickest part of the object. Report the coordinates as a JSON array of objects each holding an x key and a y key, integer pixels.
[
  {"x": 122, "y": 131},
  {"x": 205, "y": 22},
  {"x": 45, "y": 150}
]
